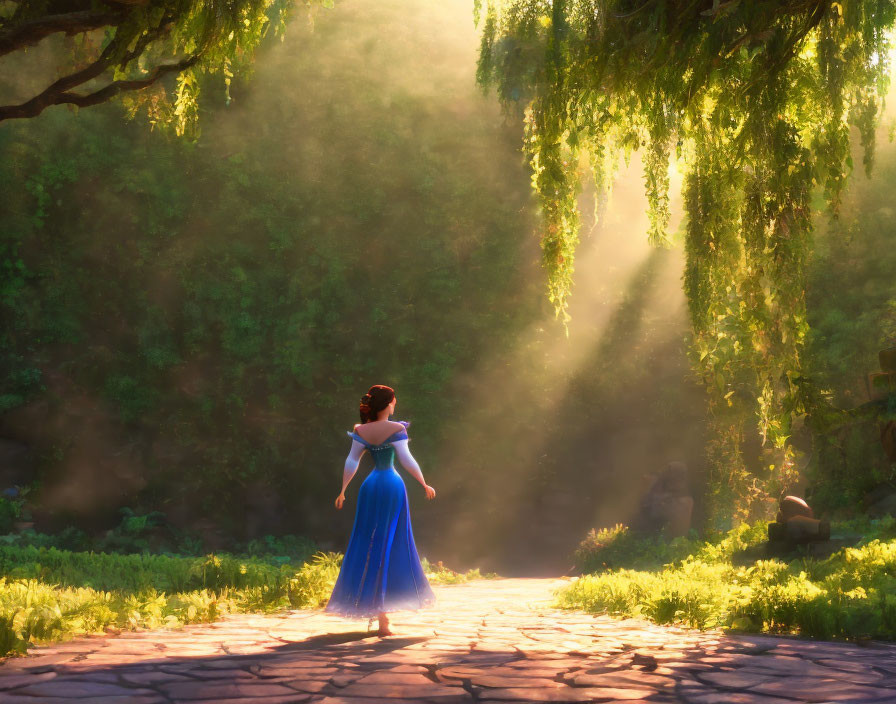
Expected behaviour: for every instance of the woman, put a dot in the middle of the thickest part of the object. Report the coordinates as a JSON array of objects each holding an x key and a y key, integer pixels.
[{"x": 381, "y": 571}]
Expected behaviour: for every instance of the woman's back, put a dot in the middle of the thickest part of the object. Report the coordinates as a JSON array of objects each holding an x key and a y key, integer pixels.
[
  {"x": 384, "y": 450},
  {"x": 378, "y": 431}
]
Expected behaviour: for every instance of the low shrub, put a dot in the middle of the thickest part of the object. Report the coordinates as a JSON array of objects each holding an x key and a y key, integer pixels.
[
  {"x": 439, "y": 574},
  {"x": 851, "y": 594},
  {"x": 619, "y": 546},
  {"x": 34, "y": 610},
  {"x": 136, "y": 572},
  {"x": 49, "y": 594}
]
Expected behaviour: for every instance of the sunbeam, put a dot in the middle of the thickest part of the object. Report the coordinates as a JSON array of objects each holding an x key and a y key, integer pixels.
[{"x": 491, "y": 465}]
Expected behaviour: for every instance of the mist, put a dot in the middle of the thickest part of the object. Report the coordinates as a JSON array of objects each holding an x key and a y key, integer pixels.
[{"x": 204, "y": 316}]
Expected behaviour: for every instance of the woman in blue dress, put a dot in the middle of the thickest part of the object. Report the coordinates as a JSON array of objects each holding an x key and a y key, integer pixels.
[{"x": 381, "y": 570}]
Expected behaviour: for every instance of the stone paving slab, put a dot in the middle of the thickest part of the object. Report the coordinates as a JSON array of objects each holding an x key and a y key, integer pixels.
[{"x": 485, "y": 641}]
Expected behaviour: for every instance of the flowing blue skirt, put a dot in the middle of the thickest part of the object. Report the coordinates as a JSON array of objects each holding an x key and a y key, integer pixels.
[{"x": 381, "y": 570}]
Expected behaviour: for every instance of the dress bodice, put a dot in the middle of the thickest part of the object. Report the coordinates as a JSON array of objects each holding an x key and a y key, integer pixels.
[{"x": 383, "y": 454}]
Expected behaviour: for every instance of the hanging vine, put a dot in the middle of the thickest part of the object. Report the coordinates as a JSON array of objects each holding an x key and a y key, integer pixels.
[{"x": 756, "y": 99}]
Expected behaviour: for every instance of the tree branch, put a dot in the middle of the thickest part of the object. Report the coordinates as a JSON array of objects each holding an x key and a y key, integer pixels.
[
  {"x": 55, "y": 95},
  {"x": 59, "y": 92},
  {"x": 117, "y": 87},
  {"x": 31, "y": 32}
]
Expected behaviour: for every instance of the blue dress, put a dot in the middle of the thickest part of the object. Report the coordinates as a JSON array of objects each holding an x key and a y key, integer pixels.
[{"x": 381, "y": 570}]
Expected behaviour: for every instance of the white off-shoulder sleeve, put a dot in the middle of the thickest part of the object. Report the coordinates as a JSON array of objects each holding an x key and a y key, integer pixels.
[
  {"x": 403, "y": 453},
  {"x": 354, "y": 455}
]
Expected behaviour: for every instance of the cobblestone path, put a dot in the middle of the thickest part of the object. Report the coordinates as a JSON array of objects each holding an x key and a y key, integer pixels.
[{"x": 491, "y": 640}]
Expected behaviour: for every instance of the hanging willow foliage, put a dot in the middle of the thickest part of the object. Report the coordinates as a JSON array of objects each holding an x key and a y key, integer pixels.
[{"x": 756, "y": 99}]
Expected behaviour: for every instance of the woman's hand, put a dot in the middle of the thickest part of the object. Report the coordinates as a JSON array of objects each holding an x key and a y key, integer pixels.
[
  {"x": 430, "y": 492},
  {"x": 340, "y": 500}
]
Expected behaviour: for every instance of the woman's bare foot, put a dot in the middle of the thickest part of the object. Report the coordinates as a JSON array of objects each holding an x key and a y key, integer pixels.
[{"x": 384, "y": 626}]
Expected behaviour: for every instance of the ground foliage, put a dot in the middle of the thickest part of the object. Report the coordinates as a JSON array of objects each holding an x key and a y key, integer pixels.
[
  {"x": 851, "y": 594},
  {"x": 152, "y": 533},
  {"x": 756, "y": 100},
  {"x": 47, "y": 594},
  {"x": 618, "y": 546}
]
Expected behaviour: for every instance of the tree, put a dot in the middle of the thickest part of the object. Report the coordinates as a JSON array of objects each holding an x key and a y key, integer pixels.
[
  {"x": 121, "y": 47},
  {"x": 756, "y": 99}
]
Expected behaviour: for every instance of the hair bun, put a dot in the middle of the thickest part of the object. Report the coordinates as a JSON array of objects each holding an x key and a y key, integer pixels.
[{"x": 377, "y": 398}]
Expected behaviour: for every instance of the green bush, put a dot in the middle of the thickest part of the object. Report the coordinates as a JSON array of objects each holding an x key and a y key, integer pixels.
[
  {"x": 439, "y": 574},
  {"x": 50, "y": 594},
  {"x": 169, "y": 573},
  {"x": 9, "y": 512},
  {"x": 311, "y": 585},
  {"x": 619, "y": 546},
  {"x": 851, "y": 594},
  {"x": 152, "y": 533},
  {"x": 40, "y": 603},
  {"x": 286, "y": 548}
]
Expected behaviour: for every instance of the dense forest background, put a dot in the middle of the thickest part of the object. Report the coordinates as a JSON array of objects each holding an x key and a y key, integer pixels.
[{"x": 187, "y": 325}]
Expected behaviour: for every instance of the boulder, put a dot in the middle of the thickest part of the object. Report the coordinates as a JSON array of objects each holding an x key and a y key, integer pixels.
[
  {"x": 792, "y": 506},
  {"x": 667, "y": 506},
  {"x": 796, "y": 524}
]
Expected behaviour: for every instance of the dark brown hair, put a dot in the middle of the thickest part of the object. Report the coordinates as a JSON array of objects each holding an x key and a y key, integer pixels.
[{"x": 375, "y": 400}]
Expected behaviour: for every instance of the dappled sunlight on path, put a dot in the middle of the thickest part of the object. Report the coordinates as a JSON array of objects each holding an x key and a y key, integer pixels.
[{"x": 489, "y": 640}]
